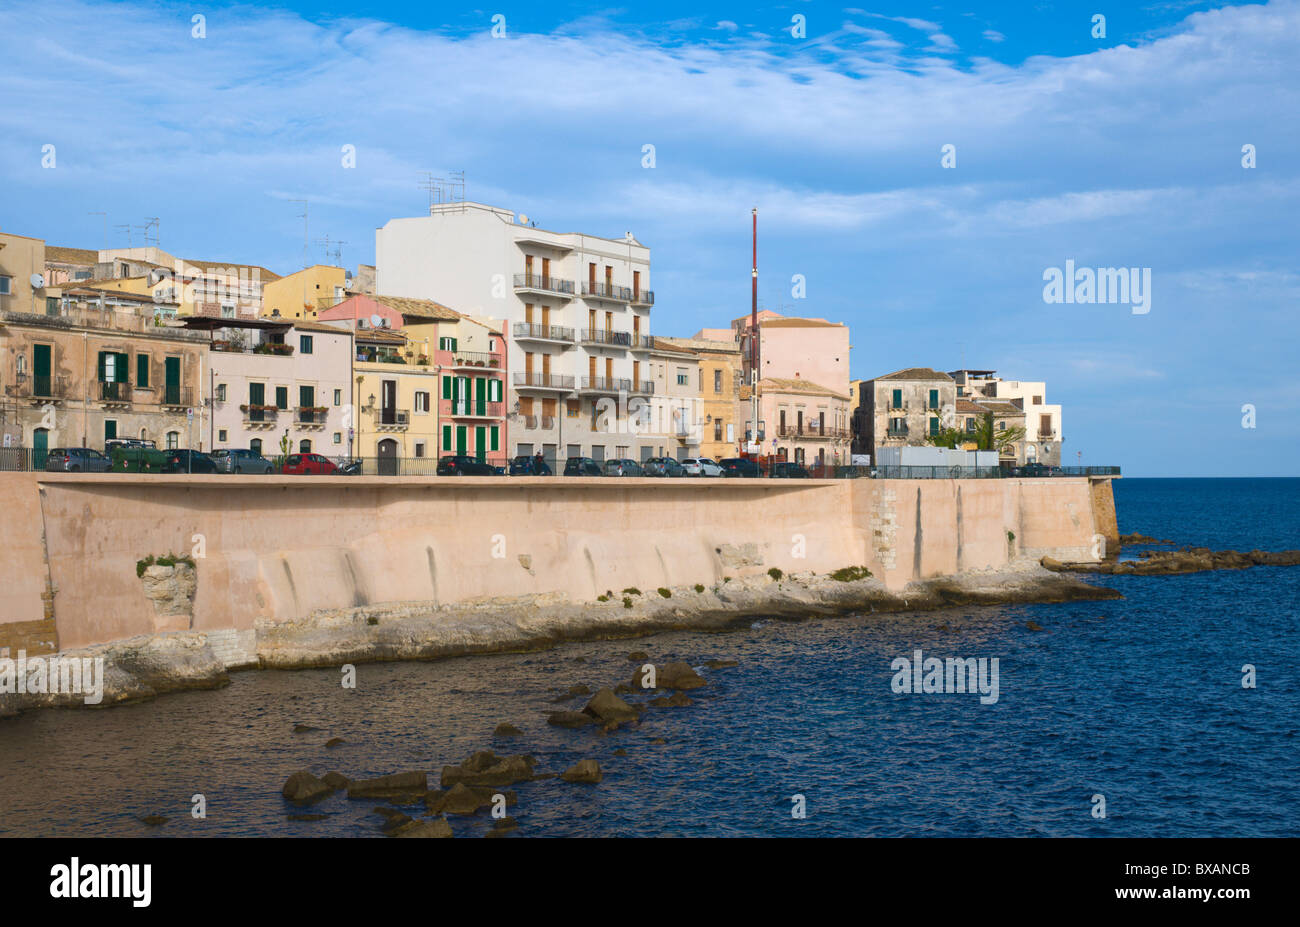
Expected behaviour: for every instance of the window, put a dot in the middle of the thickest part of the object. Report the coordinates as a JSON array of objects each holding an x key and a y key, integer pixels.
[
  {"x": 6, "y": 285},
  {"x": 494, "y": 391},
  {"x": 446, "y": 344},
  {"x": 110, "y": 429},
  {"x": 896, "y": 401},
  {"x": 683, "y": 376},
  {"x": 572, "y": 408},
  {"x": 421, "y": 403},
  {"x": 142, "y": 371},
  {"x": 221, "y": 392},
  {"x": 934, "y": 399},
  {"x": 51, "y": 305},
  {"x": 338, "y": 437},
  {"x": 970, "y": 426},
  {"x": 1038, "y": 400},
  {"x": 221, "y": 435},
  {"x": 255, "y": 445},
  {"x": 173, "y": 440},
  {"x": 304, "y": 344},
  {"x": 717, "y": 430},
  {"x": 304, "y": 446},
  {"x": 338, "y": 397},
  {"x": 282, "y": 397},
  {"x": 934, "y": 425},
  {"x": 717, "y": 381},
  {"x": 419, "y": 448}
]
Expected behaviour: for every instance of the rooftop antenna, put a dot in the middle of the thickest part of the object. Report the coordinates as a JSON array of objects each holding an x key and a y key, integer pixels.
[
  {"x": 128, "y": 234},
  {"x": 337, "y": 251},
  {"x": 151, "y": 222},
  {"x": 444, "y": 190}
]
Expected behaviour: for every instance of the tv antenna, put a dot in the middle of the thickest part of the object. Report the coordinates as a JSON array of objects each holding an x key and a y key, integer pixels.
[
  {"x": 127, "y": 227},
  {"x": 151, "y": 222},
  {"x": 443, "y": 190},
  {"x": 337, "y": 250}
]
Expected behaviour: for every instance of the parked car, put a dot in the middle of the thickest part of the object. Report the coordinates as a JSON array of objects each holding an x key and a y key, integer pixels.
[
  {"x": 112, "y": 443},
  {"x": 241, "y": 460},
  {"x": 623, "y": 466},
  {"x": 582, "y": 466},
  {"x": 663, "y": 466},
  {"x": 130, "y": 459},
  {"x": 525, "y": 465},
  {"x": 740, "y": 466},
  {"x": 701, "y": 466},
  {"x": 464, "y": 465},
  {"x": 309, "y": 465},
  {"x": 784, "y": 469},
  {"x": 185, "y": 460},
  {"x": 77, "y": 460}
]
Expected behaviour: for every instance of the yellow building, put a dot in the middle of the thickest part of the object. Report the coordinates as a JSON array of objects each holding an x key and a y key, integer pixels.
[
  {"x": 301, "y": 295},
  {"x": 718, "y": 392},
  {"x": 395, "y": 422},
  {"x": 21, "y": 258}
]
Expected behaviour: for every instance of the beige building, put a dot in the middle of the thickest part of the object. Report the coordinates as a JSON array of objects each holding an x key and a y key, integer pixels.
[
  {"x": 1042, "y": 424},
  {"x": 303, "y": 294},
  {"x": 84, "y": 375},
  {"x": 720, "y": 414},
  {"x": 804, "y": 422},
  {"x": 21, "y": 259},
  {"x": 906, "y": 407}
]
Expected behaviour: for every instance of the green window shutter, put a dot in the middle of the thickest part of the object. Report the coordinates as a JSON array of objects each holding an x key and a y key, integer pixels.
[
  {"x": 306, "y": 396},
  {"x": 110, "y": 429},
  {"x": 934, "y": 399},
  {"x": 142, "y": 370},
  {"x": 446, "y": 437},
  {"x": 282, "y": 397},
  {"x": 123, "y": 365},
  {"x": 103, "y": 371},
  {"x": 256, "y": 394},
  {"x": 446, "y": 387},
  {"x": 460, "y": 440},
  {"x": 934, "y": 426},
  {"x": 495, "y": 439},
  {"x": 898, "y": 399},
  {"x": 454, "y": 347},
  {"x": 480, "y": 396}
]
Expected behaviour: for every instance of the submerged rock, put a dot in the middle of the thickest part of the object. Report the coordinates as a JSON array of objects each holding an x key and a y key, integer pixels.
[
  {"x": 436, "y": 828},
  {"x": 569, "y": 719},
  {"x": 398, "y": 785},
  {"x": 507, "y": 730},
  {"x": 302, "y": 788},
  {"x": 607, "y": 706},
  {"x": 584, "y": 771},
  {"x": 334, "y": 742},
  {"x": 486, "y": 768},
  {"x": 154, "y": 820}
]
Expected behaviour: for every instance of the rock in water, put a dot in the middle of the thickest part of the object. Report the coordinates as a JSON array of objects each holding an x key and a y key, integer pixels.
[
  {"x": 334, "y": 741},
  {"x": 569, "y": 719},
  {"x": 607, "y": 706},
  {"x": 486, "y": 768},
  {"x": 302, "y": 788},
  {"x": 585, "y": 771},
  {"x": 679, "y": 676},
  {"x": 438, "y": 827},
  {"x": 336, "y": 780},
  {"x": 394, "y": 786},
  {"x": 507, "y": 730}
]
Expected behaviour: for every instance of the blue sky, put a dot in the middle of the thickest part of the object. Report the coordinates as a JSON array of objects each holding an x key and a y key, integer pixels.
[{"x": 1115, "y": 151}]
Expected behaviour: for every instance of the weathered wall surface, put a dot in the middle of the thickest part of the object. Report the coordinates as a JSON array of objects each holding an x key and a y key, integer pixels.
[
  {"x": 26, "y": 621},
  {"x": 279, "y": 548}
]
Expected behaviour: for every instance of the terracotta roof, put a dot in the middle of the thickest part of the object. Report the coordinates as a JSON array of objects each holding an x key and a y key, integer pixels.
[
  {"x": 965, "y": 405},
  {"x": 800, "y": 386},
  {"x": 308, "y": 326},
  {"x": 916, "y": 373},
  {"x": 699, "y": 345},
  {"x": 797, "y": 323},
  {"x": 380, "y": 334},
  {"x": 423, "y": 308},
  {"x": 263, "y": 274},
  {"x": 55, "y": 254},
  {"x": 997, "y": 407}
]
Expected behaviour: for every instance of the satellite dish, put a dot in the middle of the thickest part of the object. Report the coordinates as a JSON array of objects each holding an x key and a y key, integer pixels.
[
  {"x": 376, "y": 321},
  {"x": 523, "y": 220},
  {"x": 37, "y": 281}
]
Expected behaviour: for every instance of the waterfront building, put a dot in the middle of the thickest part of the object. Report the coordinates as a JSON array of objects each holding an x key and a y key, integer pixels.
[
  {"x": 858, "y": 418},
  {"x": 719, "y": 413},
  {"x": 906, "y": 407},
  {"x": 277, "y": 385},
  {"x": 1042, "y": 420},
  {"x": 577, "y": 307},
  {"x": 83, "y": 373}
]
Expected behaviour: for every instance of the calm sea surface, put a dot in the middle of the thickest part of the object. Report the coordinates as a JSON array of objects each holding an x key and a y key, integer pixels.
[{"x": 1137, "y": 700}]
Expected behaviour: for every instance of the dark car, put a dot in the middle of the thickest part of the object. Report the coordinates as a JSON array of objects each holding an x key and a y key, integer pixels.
[
  {"x": 783, "y": 469},
  {"x": 113, "y": 443},
  {"x": 309, "y": 465},
  {"x": 77, "y": 460},
  {"x": 241, "y": 460},
  {"x": 623, "y": 466},
  {"x": 464, "y": 465},
  {"x": 525, "y": 465},
  {"x": 184, "y": 460},
  {"x": 1036, "y": 469},
  {"x": 136, "y": 459},
  {"x": 582, "y": 466},
  {"x": 663, "y": 466},
  {"x": 740, "y": 466}
]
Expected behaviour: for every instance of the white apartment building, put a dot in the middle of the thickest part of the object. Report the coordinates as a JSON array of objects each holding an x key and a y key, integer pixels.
[
  {"x": 1042, "y": 443},
  {"x": 578, "y": 308}
]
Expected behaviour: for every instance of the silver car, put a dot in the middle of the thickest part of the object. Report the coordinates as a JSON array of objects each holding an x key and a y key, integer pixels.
[
  {"x": 701, "y": 466},
  {"x": 240, "y": 460},
  {"x": 77, "y": 460}
]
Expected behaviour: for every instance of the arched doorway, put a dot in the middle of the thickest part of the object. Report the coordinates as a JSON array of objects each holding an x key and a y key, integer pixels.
[{"x": 388, "y": 457}]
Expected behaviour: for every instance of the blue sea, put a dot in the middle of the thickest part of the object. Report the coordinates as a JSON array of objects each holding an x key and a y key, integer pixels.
[{"x": 1136, "y": 702}]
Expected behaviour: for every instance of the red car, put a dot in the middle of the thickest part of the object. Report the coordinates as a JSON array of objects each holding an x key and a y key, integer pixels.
[{"x": 309, "y": 464}]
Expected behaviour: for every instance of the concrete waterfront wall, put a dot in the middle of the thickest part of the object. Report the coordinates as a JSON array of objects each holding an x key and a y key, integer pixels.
[{"x": 280, "y": 547}]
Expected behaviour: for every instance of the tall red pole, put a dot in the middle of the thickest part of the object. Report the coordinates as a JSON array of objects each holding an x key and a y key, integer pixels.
[{"x": 753, "y": 339}]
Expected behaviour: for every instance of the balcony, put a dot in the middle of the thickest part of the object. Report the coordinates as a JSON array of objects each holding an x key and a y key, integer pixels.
[
  {"x": 549, "y": 286},
  {"x": 177, "y": 396},
  {"x": 390, "y": 419},
  {"x": 643, "y": 342},
  {"x": 274, "y": 348},
  {"x": 472, "y": 409},
  {"x": 643, "y": 297},
  {"x": 607, "y": 291},
  {"x": 642, "y": 387},
  {"x": 605, "y": 385},
  {"x": 461, "y": 360},
  {"x": 811, "y": 432},
  {"x": 555, "y": 334},
  {"x": 525, "y": 380},
  {"x": 896, "y": 431},
  {"x": 310, "y": 416},
  {"x": 260, "y": 417},
  {"x": 118, "y": 394},
  {"x": 605, "y": 338},
  {"x": 1046, "y": 435},
  {"x": 39, "y": 389}
]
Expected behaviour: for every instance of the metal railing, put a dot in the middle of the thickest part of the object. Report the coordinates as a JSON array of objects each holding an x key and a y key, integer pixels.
[
  {"x": 46, "y": 386},
  {"x": 119, "y": 391},
  {"x": 644, "y": 387},
  {"x": 606, "y": 384},
  {"x": 473, "y": 408},
  {"x": 174, "y": 394},
  {"x": 475, "y": 359},
  {"x": 643, "y": 297},
  {"x": 896, "y": 432},
  {"x": 543, "y": 380},
  {"x": 544, "y": 332},
  {"x": 622, "y": 294},
  {"x": 643, "y": 342},
  {"x": 309, "y": 416},
  {"x": 546, "y": 284},
  {"x": 602, "y": 336}
]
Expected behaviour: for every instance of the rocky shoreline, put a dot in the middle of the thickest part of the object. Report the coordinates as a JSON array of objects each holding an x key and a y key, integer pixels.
[
  {"x": 1184, "y": 560},
  {"x": 150, "y": 665}
]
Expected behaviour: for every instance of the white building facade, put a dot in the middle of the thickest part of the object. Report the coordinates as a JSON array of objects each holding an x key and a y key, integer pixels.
[{"x": 578, "y": 308}]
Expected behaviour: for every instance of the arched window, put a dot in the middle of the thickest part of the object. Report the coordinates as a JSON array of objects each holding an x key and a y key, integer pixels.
[
  {"x": 304, "y": 446},
  {"x": 173, "y": 440},
  {"x": 255, "y": 445}
]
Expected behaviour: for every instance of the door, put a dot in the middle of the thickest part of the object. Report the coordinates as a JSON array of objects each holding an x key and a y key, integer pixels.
[
  {"x": 387, "y": 457},
  {"x": 388, "y": 409},
  {"x": 172, "y": 381},
  {"x": 480, "y": 396},
  {"x": 306, "y": 400},
  {"x": 460, "y": 440},
  {"x": 41, "y": 370},
  {"x": 256, "y": 397},
  {"x": 40, "y": 448},
  {"x": 480, "y": 443}
]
